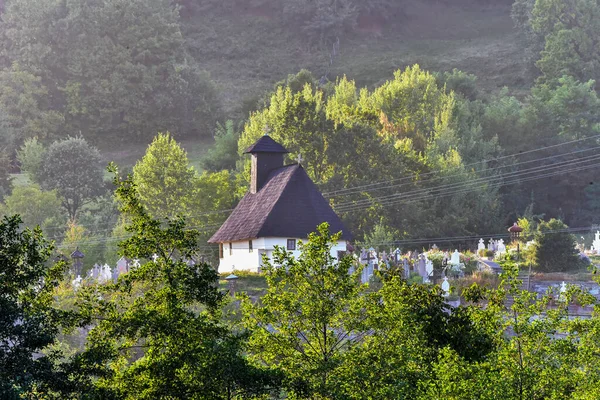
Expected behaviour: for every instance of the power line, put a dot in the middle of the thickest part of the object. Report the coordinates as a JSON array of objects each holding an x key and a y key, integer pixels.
[
  {"x": 332, "y": 193},
  {"x": 487, "y": 180},
  {"x": 389, "y": 202},
  {"x": 466, "y": 190},
  {"x": 477, "y": 180},
  {"x": 206, "y": 229},
  {"x": 487, "y": 170}
]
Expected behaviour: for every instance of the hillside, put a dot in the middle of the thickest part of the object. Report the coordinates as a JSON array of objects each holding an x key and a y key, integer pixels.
[{"x": 248, "y": 49}]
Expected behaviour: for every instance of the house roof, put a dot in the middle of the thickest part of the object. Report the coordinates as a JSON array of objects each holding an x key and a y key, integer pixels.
[
  {"x": 288, "y": 205},
  {"x": 266, "y": 145}
]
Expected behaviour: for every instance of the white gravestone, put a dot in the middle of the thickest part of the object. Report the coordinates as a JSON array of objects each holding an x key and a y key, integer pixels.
[
  {"x": 563, "y": 292},
  {"x": 455, "y": 259},
  {"x": 446, "y": 287},
  {"x": 481, "y": 245},
  {"x": 429, "y": 270},
  {"x": 96, "y": 271},
  {"x": 397, "y": 255},
  {"x": 501, "y": 246},
  {"x": 122, "y": 265},
  {"x": 596, "y": 244},
  {"x": 373, "y": 259},
  {"x": 105, "y": 274},
  {"x": 76, "y": 283}
]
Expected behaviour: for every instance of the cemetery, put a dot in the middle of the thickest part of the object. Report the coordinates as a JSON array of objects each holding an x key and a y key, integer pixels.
[{"x": 452, "y": 271}]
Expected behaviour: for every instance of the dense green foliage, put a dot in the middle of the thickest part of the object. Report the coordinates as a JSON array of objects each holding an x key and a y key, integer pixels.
[
  {"x": 416, "y": 154},
  {"x": 223, "y": 155},
  {"x": 555, "y": 251},
  {"x": 409, "y": 125},
  {"x": 407, "y": 151},
  {"x": 74, "y": 169},
  {"x": 30, "y": 157},
  {"x": 312, "y": 313},
  {"x": 317, "y": 333},
  {"x": 109, "y": 69},
  {"x": 164, "y": 178},
  {"x": 157, "y": 331},
  {"x": 28, "y": 322},
  {"x": 36, "y": 208}
]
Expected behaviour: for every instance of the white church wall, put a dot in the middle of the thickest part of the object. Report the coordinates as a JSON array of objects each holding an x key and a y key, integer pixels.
[{"x": 240, "y": 258}]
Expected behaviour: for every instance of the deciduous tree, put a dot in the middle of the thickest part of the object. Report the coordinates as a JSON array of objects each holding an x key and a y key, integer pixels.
[
  {"x": 157, "y": 332},
  {"x": 112, "y": 69},
  {"x": 164, "y": 178},
  {"x": 29, "y": 323},
  {"x": 74, "y": 169},
  {"x": 310, "y": 315},
  {"x": 37, "y": 208},
  {"x": 555, "y": 248}
]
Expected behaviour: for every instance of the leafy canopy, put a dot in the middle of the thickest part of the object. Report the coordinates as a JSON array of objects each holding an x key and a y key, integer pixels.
[
  {"x": 311, "y": 313},
  {"x": 28, "y": 322},
  {"x": 74, "y": 169},
  {"x": 157, "y": 331},
  {"x": 164, "y": 179}
]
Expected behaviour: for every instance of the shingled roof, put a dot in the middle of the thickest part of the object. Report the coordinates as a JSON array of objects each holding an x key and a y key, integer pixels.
[
  {"x": 288, "y": 205},
  {"x": 266, "y": 145}
]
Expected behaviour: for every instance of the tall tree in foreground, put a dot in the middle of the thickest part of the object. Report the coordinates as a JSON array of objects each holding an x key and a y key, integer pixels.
[
  {"x": 28, "y": 323},
  {"x": 540, "y": 351},
  {"x": 312, "y": 313},
  {"x": 157, "y": 331}
]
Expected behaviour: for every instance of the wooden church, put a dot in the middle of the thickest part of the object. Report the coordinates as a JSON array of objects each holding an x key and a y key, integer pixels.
[{"x": 282, "y": 207}]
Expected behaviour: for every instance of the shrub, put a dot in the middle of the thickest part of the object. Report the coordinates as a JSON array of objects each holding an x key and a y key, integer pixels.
[{"x": 554, "y": 249}]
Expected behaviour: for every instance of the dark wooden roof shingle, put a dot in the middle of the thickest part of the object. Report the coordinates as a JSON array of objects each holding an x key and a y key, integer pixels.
[{"x": 288, "y": 205}]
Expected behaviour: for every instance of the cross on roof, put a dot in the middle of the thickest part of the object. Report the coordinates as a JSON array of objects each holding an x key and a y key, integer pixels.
[
  {"x": 266, "y": 129},
  {"x": 300, "y": 159}
]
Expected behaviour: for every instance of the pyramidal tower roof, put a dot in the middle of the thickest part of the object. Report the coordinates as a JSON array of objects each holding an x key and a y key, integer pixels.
[{"x": 266, "y": 145}]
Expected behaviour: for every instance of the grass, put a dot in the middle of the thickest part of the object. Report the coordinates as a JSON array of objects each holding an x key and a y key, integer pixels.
[
  {"x": 575, "y": 276},
  {"x": 253, "y": 284}
]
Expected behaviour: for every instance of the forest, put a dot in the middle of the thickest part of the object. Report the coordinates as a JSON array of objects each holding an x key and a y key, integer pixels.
[
  {"x": 421, "y": 122},
  {"x": 418, "y": 153}
]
